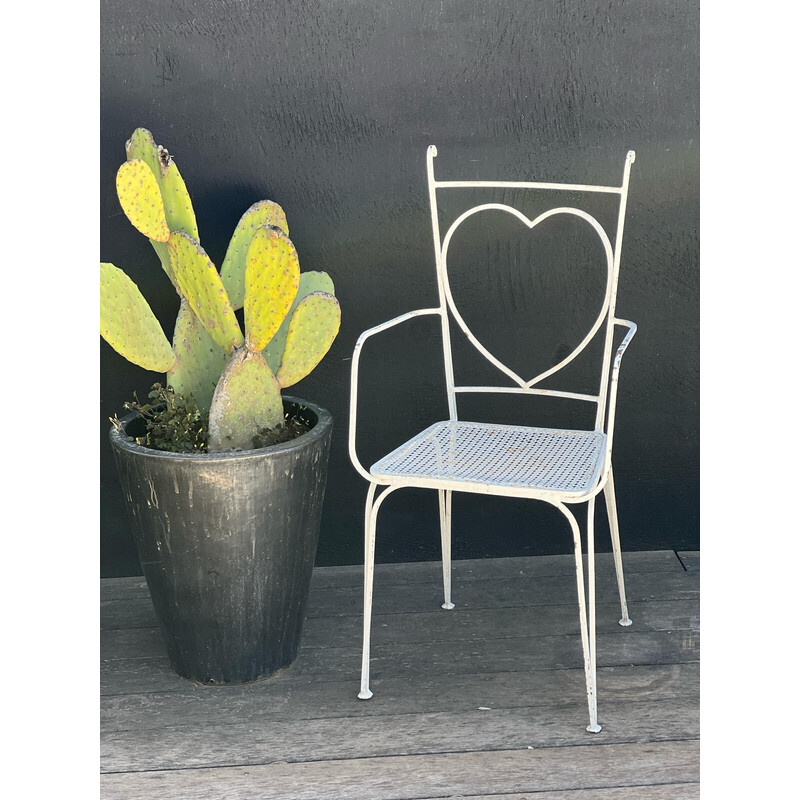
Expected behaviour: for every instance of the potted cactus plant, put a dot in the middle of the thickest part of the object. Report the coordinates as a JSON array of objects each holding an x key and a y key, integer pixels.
[{"x": 226, "y": 526}]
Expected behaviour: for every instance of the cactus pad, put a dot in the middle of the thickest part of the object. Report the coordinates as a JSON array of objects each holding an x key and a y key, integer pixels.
[
  {"x": 140, "y": 198},
  {"x": 312, "y": 329},
  {"x": 199, "y": 360},
  {"x": 178, "y": 209},
  {"x": 200, "y": 284},
  {"x": 128, "y": 324},
  {"x": 271, "y": 281},
  {"x": 265, "y": 212},
  {"x": 177, "y": 203},
  {"x": 247, "y": 400},
  {"x": 309, "y": 282}
]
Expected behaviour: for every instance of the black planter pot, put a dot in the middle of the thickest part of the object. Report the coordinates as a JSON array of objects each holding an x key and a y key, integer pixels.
[{"x": 227, "y": 544}]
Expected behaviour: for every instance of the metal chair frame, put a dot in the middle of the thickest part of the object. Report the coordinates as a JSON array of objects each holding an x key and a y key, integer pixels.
[{"x": 601, "y": 480}]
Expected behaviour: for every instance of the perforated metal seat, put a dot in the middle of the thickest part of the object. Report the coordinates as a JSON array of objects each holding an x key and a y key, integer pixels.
[
  {"x": 560, "y": 467},
  {"x": 532, "y": 459}
]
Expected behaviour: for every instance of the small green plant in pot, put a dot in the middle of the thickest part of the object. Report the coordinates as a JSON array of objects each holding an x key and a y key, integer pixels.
[{"x": 226, "y": 529}]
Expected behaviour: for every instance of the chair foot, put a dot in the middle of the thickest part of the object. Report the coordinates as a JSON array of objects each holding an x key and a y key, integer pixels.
[
  {"x": 365, "y": 695},
  {"x": 594, "y": 728},
  {"x": 448, "y": 606},
  {"x": 625, "y": 622}
]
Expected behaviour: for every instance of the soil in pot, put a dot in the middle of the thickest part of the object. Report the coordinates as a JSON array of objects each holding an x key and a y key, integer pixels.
[{"x": 172, "y": 423}]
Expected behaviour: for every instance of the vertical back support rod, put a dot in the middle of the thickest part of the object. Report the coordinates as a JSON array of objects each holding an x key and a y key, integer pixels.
[
  {"x": 623, "y": 202},
  {"x": 437, "y": 248}
]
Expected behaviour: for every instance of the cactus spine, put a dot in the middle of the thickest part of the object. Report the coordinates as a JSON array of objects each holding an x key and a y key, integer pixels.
[{"x": 291, "y": 319}]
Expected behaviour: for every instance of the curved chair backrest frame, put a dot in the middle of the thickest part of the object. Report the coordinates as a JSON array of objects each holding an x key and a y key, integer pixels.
[{"x": 606, "y": 316}]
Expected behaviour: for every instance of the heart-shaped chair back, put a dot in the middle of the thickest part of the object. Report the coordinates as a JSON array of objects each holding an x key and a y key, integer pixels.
[{"x": 605, "y": 315}]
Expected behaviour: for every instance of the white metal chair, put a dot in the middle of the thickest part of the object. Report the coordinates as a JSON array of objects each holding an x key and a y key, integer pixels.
[{"x": 560, "y": 467}]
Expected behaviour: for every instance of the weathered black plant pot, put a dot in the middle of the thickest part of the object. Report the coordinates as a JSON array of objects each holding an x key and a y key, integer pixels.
[{"x": 227, "y": 544}]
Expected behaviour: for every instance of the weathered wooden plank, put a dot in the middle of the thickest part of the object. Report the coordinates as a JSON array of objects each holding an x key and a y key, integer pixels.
[
  {"x": 690, "y": 560},
  {"x": 234, "y": 743},
  {"x": 501, "y": 623},
  {"x": 130, "y": 612},
  {"x": 265, "y": 701},
  {"x": 126, "y": 675},
  {"x": 141, "y": 675},
  {"x": 431, "y": 571},
  {"x": 666, "y": 791},
  {"x": 437, "y": 626},
  {"x": 137, "y": 612},
  {"x": 416, "y": 777},
  {"x": 486, "y": 568},
  {"x": 506, "y": 592}
]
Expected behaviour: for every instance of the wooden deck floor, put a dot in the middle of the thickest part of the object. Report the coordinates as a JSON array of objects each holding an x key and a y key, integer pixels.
[{"x": 485, "y": 701}]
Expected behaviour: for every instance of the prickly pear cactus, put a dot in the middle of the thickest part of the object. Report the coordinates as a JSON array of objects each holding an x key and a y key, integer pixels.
[
  {"x": 199, "y": 360},
  {"x": 291, "y": 319}
]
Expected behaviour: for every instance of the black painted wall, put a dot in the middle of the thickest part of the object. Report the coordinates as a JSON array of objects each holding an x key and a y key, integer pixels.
[{"x": 327, "y": 108}]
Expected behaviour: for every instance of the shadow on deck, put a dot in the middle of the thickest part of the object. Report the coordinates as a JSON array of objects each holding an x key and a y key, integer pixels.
[{"x": 484, "y": 701}]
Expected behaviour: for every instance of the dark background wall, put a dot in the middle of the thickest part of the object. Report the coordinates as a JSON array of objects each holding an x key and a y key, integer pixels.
[{"x": 328, "y": 108}]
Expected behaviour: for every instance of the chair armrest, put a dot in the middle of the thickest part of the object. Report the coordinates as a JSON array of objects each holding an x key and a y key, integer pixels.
[
  {"x": 612, "y": 400},
  {"x": 625, "y": 342},
  {"x": 354, "y": 377}
]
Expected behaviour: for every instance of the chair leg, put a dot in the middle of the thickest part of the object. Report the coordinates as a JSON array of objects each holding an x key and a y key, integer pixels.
[
  {"x": 369, "y": 569},
  {"x": 445, "y": 517},
  {"x": 587, "y": 624},
  {"x": 613, "y": 524},
  {"x": 593, "y": 727}
]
